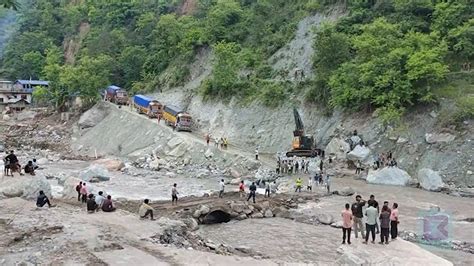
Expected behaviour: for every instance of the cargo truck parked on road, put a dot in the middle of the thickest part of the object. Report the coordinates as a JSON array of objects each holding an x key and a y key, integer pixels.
[
  {"x": 144, "y": 105},
  {"x": 177, "y": 118},
  {"x": 116, "y": 95}
]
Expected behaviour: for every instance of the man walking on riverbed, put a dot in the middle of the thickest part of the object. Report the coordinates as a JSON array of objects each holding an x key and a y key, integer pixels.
[
  {"x": 221, "y": 188},
  {"x": 174, "y": 195}
]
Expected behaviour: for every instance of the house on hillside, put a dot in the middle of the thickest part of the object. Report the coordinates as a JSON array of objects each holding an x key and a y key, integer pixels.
[{"x": 18, "y": 95}]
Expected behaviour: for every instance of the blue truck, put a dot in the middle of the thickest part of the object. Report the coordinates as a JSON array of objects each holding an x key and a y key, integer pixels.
[
  {"x": 116, "y": 95},
  {"x": 145, "y": 105}
]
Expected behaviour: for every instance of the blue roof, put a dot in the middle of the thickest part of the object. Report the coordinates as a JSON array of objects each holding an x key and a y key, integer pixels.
[
  {"x": 33, "y": 82},
  {"x": 113, "y": 87}
]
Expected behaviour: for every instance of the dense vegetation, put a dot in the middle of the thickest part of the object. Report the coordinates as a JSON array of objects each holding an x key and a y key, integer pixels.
[
  {"x": 384, "y": 55},
  {"x": 390, "y": 55}
]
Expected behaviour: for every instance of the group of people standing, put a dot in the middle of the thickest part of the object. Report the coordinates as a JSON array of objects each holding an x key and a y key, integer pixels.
[
  {"x": 221, "y": 142},
  {"x": 385, "y": 159},
  {"x": 386, "y": 217},
  {"x": 12, "y": 164},
  {"x": 292, "y": 166}
]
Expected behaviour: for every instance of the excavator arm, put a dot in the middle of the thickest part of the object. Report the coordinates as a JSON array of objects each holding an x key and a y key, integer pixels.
[{"x": 299, "y": 129}]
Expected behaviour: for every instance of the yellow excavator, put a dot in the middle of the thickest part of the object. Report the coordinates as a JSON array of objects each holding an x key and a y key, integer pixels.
[{"x": 302, "y": 145}]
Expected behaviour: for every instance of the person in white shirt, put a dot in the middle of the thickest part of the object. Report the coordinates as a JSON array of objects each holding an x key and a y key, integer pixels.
[
  {"x": 221, "y": 188},
  {"x": 372, "y": 214},
  {"x": 310, "y": 184},
  {"x": 99, "y": 199}
]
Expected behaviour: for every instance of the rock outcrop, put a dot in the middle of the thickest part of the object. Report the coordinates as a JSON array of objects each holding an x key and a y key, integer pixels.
[
  {"x": 26, "y": 186},
  {"x": 433, "y": 138},
  {"x": 389, "y": 176},
  {"x": 430, "y": 180},
  {"x": 95, "y": 173},
  {"x": 359, "y": 153},
  {"x": 337, "y": 147}
]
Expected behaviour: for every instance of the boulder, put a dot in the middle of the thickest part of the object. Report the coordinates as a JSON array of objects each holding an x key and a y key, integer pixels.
[
  {"x": 93, "y": 116},
  {"x": 268, "y": 213},
  {"x": 110, "y": 164},
  {"x": 196, "y": 214},
  {"x": 26, "y": 186},
  {"x": 155, "y": 165},
  {"x": 281, "y": 212},
  {"x": 433, "y": 138},
  {"x": 346, "y": 191},
  {"x": 325, "y": 218},
  {"x": 95, "y": 172},
  {"x": 430, "y": 180},
  {"x": 191, "y": 224},
  {"x": 359, "y": 153},
  {"x": 257, "y": 215},
  {"x": 42, "y": 161},
  {"x": 338, "y": 147},
  {"x": 388, "y": 176},
  {"x": 238, "y": 207},
  {"x": 204, "y": 209}
]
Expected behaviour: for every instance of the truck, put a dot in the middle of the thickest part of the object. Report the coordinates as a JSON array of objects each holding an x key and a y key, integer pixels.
[
  {"x": 116, "y": 95},
  {"x": 177, "y": 118},
  {"x": 302, "y": 145},
  {"x": 144, "y": 105}
]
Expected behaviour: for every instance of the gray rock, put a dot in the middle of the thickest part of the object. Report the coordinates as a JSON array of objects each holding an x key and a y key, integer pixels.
[
  {"x": 204, "y": 209},
  {"x": 95, "y": 171},
  {"x": 346, "y": 191},
  {"x": 197, "y": 214},
  {"x": 268, "y": 213},
  {"x": 433, "y": 138},
  {"x": 209, "y": 154},
  {"x": 26, "y": 186},
  {"x": 430, "y": 180},
  {"x": 242, "y": 216},
  {"x": 359, "y": 153},
  {"x": 388, "y": 176},
  {"x": 237, "y": 207},
  {"x": 257, "y": 215},
  {"x": 325, "y": 218},
  {"x": 337, "y": 147},
  {"x": 191, "y": 223}
]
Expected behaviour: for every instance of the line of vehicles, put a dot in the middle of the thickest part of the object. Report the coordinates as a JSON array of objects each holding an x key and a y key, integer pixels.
[
  {"x": 172, "y": 115},
  {"x": 302, "y": 145}
]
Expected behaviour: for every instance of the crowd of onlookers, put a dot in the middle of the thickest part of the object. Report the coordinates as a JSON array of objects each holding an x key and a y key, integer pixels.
[{"x": 383, "y": 221}]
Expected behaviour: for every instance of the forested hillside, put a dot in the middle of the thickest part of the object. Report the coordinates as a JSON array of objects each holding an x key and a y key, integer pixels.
[{"x": 385, "y": 56}]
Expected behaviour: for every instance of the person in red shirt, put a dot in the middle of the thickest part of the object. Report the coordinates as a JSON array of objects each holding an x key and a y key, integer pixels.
[
  {"x": 242, "y": 189},
  {"x": 346, "y": 224}
]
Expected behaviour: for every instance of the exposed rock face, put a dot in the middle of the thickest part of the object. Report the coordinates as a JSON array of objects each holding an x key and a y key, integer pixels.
[
  {"x": 337, "y": 147},
  {"x": 95, "y": 173},
  {"x": 359, "y": 153},
  {"x": 26, "y": 186},
  {"x": 430, "y": 180},
  {"x": 94, "y": 115},
  {"x": 433, "y": 138},
  {"x": 389, "y": 176}
]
